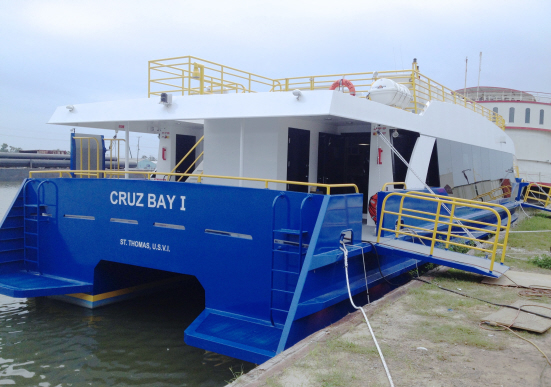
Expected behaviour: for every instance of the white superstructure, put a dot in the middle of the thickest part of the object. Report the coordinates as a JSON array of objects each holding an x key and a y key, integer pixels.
[{"x": 297, "y": 129}]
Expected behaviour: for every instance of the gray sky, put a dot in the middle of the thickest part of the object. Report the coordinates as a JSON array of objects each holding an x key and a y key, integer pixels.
[{"x": 56, "y": 53}]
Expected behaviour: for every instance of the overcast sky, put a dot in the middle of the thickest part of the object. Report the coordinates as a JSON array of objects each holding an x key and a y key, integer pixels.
[{"x": 56, "y": 53}]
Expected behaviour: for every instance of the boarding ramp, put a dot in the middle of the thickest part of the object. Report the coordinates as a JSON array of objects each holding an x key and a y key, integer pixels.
[
  {"x": 534, "y": 195},
  {"x": 429, "y": 227}
]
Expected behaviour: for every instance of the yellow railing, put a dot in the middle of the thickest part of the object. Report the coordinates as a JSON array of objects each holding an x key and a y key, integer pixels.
[
  {"x": 185, "y": 157},
  {"x": 435, "y": 222},
  {"x": 148, "y": 175},
  {"x": 116, "y": 151},
  {"x": 394, "y": 183},
  {"x": 495, "y": 193},
  {"x": 539, "y": 193},
  {"x": 189, "y": 75},
  {"x": 89, "y": 172}
]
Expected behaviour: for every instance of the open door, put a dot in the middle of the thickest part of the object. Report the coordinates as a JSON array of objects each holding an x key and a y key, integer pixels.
[
  {"x": 298, "y": 158},
  {"x": 183, "y": 144}
]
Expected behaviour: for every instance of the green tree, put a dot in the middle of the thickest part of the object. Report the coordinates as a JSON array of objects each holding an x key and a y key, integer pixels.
[{"x": 4, "y": 147}]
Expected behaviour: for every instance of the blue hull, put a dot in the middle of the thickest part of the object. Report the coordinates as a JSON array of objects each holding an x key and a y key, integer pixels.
[{"x": 269, "y": 261}]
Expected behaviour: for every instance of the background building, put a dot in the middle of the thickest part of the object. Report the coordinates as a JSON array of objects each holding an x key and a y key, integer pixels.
[{"x": 528, "y": 122}]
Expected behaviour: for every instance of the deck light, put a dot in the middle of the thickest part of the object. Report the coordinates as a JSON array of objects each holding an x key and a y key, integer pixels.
[
  {"x": 166, "y": 99},
  {"x": 297, "y": 93},
  {"x": 395, "y": 134},
  {"x": 70, "y": 107}
]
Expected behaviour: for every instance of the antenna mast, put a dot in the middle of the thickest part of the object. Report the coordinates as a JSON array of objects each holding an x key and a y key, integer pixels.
[
  {"x": 479, "y": 69},
  {"x": 465, "y": 89}
]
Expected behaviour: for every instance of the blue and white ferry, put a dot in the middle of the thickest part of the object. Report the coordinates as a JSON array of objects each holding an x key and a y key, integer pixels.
[{"x": 261, "y": 184}]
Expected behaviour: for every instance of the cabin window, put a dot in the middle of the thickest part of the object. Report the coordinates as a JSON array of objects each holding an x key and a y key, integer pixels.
[
  {"x": 512, "y": 114},
  {"x": 541, "y": 117},
  {"x": 496, "y": 110},
  {"x": 527, "y": 116}
]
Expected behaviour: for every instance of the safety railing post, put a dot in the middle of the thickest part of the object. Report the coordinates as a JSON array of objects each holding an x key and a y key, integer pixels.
[
  {"x": 414, "y": 87},
  {"x": 448, "y": 236},
  {"x": 496, "y": 241},
  {"x": 435, "y": 230},
  {"x": 399, "y": 221}
]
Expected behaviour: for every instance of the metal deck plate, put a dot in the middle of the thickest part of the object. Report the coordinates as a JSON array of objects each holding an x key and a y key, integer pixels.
[{"x": 448, "y": 258}]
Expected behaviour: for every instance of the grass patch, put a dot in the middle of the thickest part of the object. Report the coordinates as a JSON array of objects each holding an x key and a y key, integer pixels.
[
  {"x": 333, "y": 379},
  {"x": 457, "y": 334},
  {"x": 524, "y": 265},
  {"x": 339, "y": 344},
  {"x": 532, "y": 241},
  {"x": 543, "y": 261}
]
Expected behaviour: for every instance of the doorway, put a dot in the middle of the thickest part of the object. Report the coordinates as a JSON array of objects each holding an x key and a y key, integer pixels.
[
  {"x": 183, "y": 144},
  {"x": 298, "y": 158},
  {"x": 344, "y": 159}
]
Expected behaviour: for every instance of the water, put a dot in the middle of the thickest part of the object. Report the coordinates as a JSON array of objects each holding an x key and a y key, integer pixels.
[{"x": 139, "y": 342}]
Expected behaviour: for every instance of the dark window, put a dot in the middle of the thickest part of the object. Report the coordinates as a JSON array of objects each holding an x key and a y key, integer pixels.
[
  {"x": 496, "y": 110},
  {"x": 511, "y": 114},
  {"x": 527, "y": 116},
  {"x": 541, "y": 117}
]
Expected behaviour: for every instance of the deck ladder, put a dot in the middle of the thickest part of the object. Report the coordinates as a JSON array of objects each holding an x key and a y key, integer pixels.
[
  {"x": 288, "y": 252},
  {"x": 31, "y": 225}
]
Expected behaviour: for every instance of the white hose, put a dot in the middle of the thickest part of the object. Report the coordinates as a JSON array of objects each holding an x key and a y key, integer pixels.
[{"x": 345, "y": 252}]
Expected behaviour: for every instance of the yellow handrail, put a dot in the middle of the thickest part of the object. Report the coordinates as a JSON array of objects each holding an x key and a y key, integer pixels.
[
  {"x": 394, "y": 183},
  {"x": 199, "y": 177},
  {"x": 187, "y": 154},
  {"x": 89, "y": 156},
  {"x": 118, "y": 152},
  {"x": 438, "y": 219},
  {"x": 192, "y": 164},
  {"x": 215, "y": 78},
  {"x": 491, "y": 195},
  {"x": 531, "y": 193}
]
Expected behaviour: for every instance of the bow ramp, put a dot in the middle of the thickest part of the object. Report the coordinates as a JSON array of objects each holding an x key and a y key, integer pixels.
[{"x": 436, "y": 228}]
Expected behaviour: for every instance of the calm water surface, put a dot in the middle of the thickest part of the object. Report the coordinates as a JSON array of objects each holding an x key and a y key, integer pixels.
[{"x": 139, "y": 342}]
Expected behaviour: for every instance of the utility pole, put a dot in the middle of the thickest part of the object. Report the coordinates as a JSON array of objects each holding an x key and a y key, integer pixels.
[
  {"x": 465, "y": 89},
  {"x": 479, "y": 70}
]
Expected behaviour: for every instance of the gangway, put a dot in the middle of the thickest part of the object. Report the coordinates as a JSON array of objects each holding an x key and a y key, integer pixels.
[
  {"x": 534, "y": 195},
  {"x": 437, "y": 223}
]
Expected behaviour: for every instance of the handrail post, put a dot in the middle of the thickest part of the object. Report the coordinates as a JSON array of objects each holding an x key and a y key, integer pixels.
[
  {"x": 496, "y": 240},
  {"x": 413, "y": 86},
  {"x": 450, "y": 226},
  {"x": 399, "y": 221},
  {"x": 434, "y": 232}
]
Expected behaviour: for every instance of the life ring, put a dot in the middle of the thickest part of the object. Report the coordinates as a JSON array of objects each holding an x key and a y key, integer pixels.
[
  {"x": 373, "y": 208},
  {"x": 344, "y": 82}
]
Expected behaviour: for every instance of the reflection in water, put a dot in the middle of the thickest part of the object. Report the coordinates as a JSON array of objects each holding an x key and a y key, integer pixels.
[{"x": 45, "y": 342}]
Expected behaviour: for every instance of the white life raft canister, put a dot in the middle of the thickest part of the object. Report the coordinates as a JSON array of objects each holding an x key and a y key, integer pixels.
[{"x": 388, "y": 92}]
